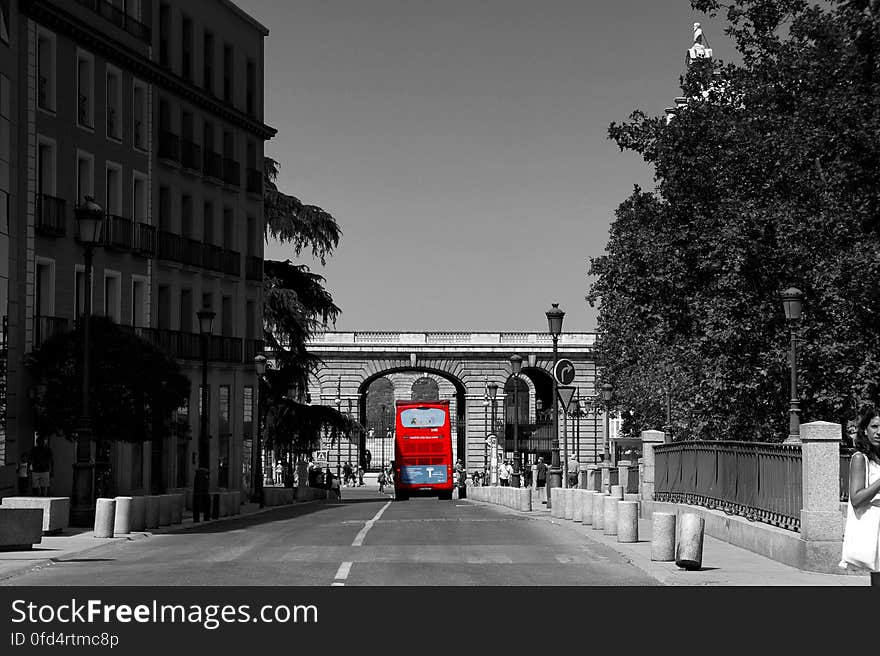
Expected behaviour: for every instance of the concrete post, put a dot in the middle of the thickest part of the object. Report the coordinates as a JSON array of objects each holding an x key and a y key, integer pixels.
[
  {"x": 606, "y": 476},
  {"x": 152, "y": 511},
  {"x": 650, "y": 439},
  {"x": 105, "y": 515},
  {"x": 662, "y": 536},
  {"x": 623, "y": 470},
  {"x": 689, "y": 550},
  {"x": 627, "y": 521},
  {"x": 122, "y": 516},
  {"x": 583, "y": 477},
  {"x": 579, "y": 495},
  {"x": 526, "y": 496},
  {"x": 593, "y": 482},
  {"x": 821, "y": 519},
  {"x": 610, "y": 511},
  {"x": 587, "y": 514},
  {"x": 569, "y": 503},
  {"x": 138, "y": 513},
  {"x": 164, "y": 510},
  {"x": 599, "y": 510}
]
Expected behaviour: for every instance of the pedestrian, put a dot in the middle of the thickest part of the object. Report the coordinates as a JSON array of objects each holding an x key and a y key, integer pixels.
[
  {"x": 42, "y": 467},
  {"x": 367, "y": 457},
  {"x": 573, "y": 468},
  {"x": 541, "y": 478},
  {"x": 861, "y": 537},
  {"x": 279, "y": 470},
  {"x": 346, "y": 473},
  {"x": 360, "y": 476},
  {"x": 504, "y": 471},
  {"x": 24, "y": 476},
  {"x": 461, "y": 479},
  {"x": 381, "y": 481}
]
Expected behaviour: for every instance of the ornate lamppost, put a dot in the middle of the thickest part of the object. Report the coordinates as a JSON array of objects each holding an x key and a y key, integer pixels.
[
  {"x": 515, "y": 368},
  {"x": 607, "y": 396},
  {"x": 493, "y": 393},
  {"x": 554, "y": 479},
  {"x": 257, "y": 456},
  {"x": 89, "y": 219},
  {"x": 792, "y": 300},
  {"x": 667, "y": 369},
  {"x": 202, "y": 480}
]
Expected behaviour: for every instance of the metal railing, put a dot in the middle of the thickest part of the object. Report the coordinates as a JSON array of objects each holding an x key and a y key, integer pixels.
[
  {"x": 46, "y": 327},
  {"x": 230, "y": 262},
  {"x": 212, "y": 257},
  {"x": 50, "y": 217},
  {"x": 190, "y": 155},
  {"x": 144, "y": 239},
  {"x": 170, "y": 246},
  {"x": 120, "y": 18},
  {"x": 756, "y": 480},
  {"x": 231, "y": 172},
  {"x": 213, "y": 164},
  {"x": 116, "y": 232}
]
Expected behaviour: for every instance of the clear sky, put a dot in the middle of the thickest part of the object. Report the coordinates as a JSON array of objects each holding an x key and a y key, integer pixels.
[{"x": 462, "y": 145}]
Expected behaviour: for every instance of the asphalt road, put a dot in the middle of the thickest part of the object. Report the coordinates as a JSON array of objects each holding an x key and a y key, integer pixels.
[{"x": 366, "y": 539}]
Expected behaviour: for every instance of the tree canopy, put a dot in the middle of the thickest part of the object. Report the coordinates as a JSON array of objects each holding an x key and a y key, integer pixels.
[
  {"x": 767, "y": 178},
  {"x": 134, "y": 387}
]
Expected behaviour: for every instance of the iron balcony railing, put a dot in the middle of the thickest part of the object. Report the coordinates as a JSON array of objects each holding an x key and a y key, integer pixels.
[
  {"x": 212, "y": 257},
  {"x": 254, "y": 181},
  {"x": 144, "y": 239},
  {"x": 170, "y": 246},
  {"x": 225, "y": 349},
  {"x": 194, "y": 253},
  {"x": 253, "y": 268},
  {"x": 757, "y": 480},
  {"x": 213, "y": 164},
  {"x": 231, "y": 172},
  {"x": 190, "y": 155},
  {"x": 169, "y": 146},
  {"x": 46, "y": 327},
  {"x": 120, "y": 18},
  {"x": 116, "y": 232},
  {"x": 50, "y": 219},
  {"x": 230, "y": 262},
  {"x": 252, "y": 348}
]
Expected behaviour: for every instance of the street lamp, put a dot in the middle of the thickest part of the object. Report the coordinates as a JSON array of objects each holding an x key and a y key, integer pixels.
[
  {"x": 607, "y": 395},
  {"x": 516, "y": 367},
  {"x": 792, "y": 302},
  {"x": 554, "y": 321},
  {"x": 202, "y": 480},
  {"x": 493, "y": 392},
  {"x": 338, "y": 436},
  {"x": 257, "y": 456},
  {"x": 89, "y": 219}
]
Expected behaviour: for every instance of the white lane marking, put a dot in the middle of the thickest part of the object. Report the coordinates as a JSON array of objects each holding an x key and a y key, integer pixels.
[
  {"x": 339, "y": 583},
  {"x": 359, "y": 538},
  {"x": 342, "y": 572}
]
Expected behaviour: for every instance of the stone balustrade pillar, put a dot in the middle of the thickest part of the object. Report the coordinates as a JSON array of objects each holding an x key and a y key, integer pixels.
[
  {"x": 821, "y": 519},
  {"x": 650, "y": 439}
]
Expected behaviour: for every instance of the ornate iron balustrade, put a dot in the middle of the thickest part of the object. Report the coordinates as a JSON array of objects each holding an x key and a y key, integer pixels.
[
  {"x": 212, "y": 257},
  {"x": 253, "y": 268},
  {"x": 171, "y": 247},
  {"x": 190, "y": 155},
  {"x": 194, "y": 253},
  {"x": 230, "y": 262},
  {"x": 252, "y": 348},
  {"x": 212, "y": 165},
  {"x": 759, "y": 481},
  {"x": 50, "y": 217},
  {"x": 169, "y": 146},
  {"x": 177, "y": 344},
  {"x": 116, "y": 232},
  {"x": 144, "y": 239},
  {"x": 254, "y": 181},
  {"x": 231, "y": 172},
  {"x": 225, "y": 349},
  {"x": 46, "y": 327}
]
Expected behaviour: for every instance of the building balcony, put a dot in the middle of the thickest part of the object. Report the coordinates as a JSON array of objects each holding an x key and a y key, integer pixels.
[
  {"x": 213, "y": 164},
  {"x": 170, "y": 247},
  {"x": 252, "y": 348},
  {"x": 50, "y": 217},
  {"x": 231, "y": 172},
  {"x": 119, "y": 18},
  {"x": 230, "y": 263},
  {"x": 144, "y": 239},
  {"x": 212, "y": 257},
  {"x": 116, "y": 232},
  {"x": 253, "y": 268},
  {"x": 190, "y": 155},
  {"x": 46, "y": 327},
  {"x": 194, "y": 253},
  {"x": 225, "y": 349},
  {"x": 169, "y": 146},
  {"x": 254, "y": 181}
]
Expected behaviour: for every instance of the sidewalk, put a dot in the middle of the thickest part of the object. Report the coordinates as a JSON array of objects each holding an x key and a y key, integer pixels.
[
  {"x": 723, "y": 564},
  {"x": 74, "y": 542}
]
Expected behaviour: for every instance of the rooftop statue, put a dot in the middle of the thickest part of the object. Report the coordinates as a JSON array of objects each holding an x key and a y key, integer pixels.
[{"x": 700, "y": 48}]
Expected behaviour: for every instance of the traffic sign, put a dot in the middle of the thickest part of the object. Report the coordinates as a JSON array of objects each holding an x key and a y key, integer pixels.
[
  {"x": 565, "y": 393},
  {"x": 564, "y": 372},
  {"x": 321, "y": 458}
]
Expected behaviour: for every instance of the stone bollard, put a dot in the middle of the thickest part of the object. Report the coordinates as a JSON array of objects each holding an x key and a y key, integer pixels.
[
  {"x": 105, "y": 514},
  {"x": 609, "y": 508},
  {"x": 177, "y": 502},
  {"x": 577, "y": 502},
  {"x": 138, "y": 513},
  {"x": 164, "y": 510},
  {"x": 587, "y": 511},
  {"x": 122, "y": 516},
  {"x": 627, "y": 521},
  {"x": 556, "y": 502},
  {"x": 526, "y": 494},
  {"x": 662, "y": 536},
  {"x": 599, "y": 510},
  {"x": 617, "y": 492},
  {"x": 569, "y": 503},
  {"x": 152, "y": 511},
  {"x": 689, "y": 551}
]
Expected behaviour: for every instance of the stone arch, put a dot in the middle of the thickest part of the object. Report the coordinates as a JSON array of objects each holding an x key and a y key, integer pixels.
[{"x": 425, "y": 389}]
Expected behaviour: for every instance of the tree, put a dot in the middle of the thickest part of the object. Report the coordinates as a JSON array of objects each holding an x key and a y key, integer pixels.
[
  {"x": 134, "y": 386},
  {"x": 767, "y": 178},
  {"x": 295, "y": 306}
]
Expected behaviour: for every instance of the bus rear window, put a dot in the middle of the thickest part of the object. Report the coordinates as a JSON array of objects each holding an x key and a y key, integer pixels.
[{"x": 423, "y": 418}]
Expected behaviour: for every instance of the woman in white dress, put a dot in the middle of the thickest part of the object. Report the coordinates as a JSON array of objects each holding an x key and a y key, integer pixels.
[{"x": 861, "y": 542}]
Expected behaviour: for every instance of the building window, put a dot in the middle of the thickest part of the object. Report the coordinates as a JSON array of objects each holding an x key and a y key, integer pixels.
[
  {"x": 208, "y": 64},
  {"x": 227, "y": 319},
  {"x": 224, "y": 441},
  {"x": 85, "y": 180},
  {"x": 139, "y": 115},
  {"x": 165, "y": 209},
  {"x": 45, "y": 166},
  {"x": 112, "y": 295},
  {"x": 46, "y": 69},
  {"x": 186, "y": 48},
  {"x": 164, "y": 34},
  {"x": 139, "y": 307},
  {"x": 44, "y": 289},
  {"x": 163, "y": 307},
  {"x": 251, "y": 90},
  {"x": 181, "y": 432},
  {"x": 113, "y": 201},
  {"x": 228, "y": 72},
  {"x": 228, "y": 227},
  {"x": 186, "y": 311},
  {"x": 114, "y": 104},
  {"x": 139, "y": 198},
  {"x": 85, "y": 67},
  {"x": 208, "y": 224},
  {"x": 80, "y": 277},
  {"x": 186, "y": 215}
]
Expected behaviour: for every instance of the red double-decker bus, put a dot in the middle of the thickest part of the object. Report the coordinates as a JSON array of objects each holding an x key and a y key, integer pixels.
[{"x": 422, "y": 450}]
